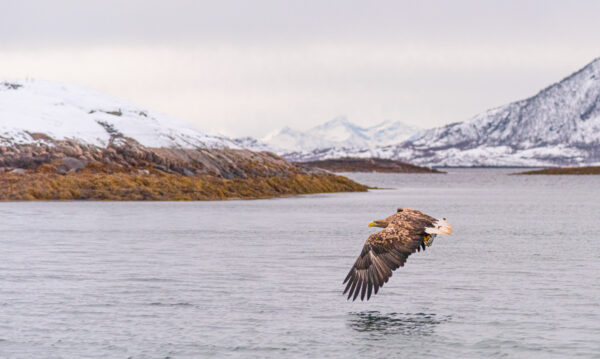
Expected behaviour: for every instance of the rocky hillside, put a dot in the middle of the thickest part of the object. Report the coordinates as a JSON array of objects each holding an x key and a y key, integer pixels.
[{"x": 50, "y": 130}]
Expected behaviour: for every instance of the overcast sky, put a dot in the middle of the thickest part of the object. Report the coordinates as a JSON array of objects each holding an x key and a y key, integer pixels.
[{"x": 250, "y": 67}]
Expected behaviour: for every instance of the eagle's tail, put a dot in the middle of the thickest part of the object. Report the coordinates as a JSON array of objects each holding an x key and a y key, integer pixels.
[{"x": 440, "y": 226}]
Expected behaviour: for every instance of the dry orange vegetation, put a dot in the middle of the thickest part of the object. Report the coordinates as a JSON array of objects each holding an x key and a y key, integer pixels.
[
  {"x": 45, "y": 184},
  {"x": 565, "y": 171}
]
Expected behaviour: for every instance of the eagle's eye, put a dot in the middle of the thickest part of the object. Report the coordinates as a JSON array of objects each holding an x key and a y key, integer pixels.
[{"x": 400, "y": 210}]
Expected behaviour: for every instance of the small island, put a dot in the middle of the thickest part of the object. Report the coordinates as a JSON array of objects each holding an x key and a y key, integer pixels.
[
  {"x": 592, "y": 170},
  {"x": 351, "y": 164}
]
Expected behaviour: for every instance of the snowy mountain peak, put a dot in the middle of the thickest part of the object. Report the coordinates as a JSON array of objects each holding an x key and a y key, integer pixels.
[
  {"x": 338, "y": 121},
  {"x": 338, "y": 133},
  {"x": 33, "y": 111}
]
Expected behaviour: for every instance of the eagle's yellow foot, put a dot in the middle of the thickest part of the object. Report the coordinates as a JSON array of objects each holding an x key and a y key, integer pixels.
[{"x": 428, "y": 239}]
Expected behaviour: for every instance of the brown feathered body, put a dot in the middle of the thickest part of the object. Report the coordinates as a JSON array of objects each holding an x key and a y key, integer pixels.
[{"x": 406, "y": 232}]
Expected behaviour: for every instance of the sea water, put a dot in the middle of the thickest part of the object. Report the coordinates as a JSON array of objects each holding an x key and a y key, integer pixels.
[{"x": 520, "y": 276}]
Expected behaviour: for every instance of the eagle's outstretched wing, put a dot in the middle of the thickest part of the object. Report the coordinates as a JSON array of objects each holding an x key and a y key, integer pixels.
[{"x": 384, "y": 252}]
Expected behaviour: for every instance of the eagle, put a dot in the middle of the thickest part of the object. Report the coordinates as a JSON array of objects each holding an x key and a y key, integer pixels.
[{"x": 404, "y": 233}]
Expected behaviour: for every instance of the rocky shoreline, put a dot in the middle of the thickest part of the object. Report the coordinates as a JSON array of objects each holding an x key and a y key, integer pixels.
[{"x": 126, "y": 170}]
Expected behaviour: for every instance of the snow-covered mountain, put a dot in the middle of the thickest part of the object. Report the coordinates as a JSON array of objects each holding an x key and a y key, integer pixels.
[
  {"x": 558, "y": 126},
  {"x": 32, "y": 111},
  {"x": 338, "y": 133}
]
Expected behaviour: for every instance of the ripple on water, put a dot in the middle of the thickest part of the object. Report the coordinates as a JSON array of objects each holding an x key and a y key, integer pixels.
[{"x": 374, "y": 322}]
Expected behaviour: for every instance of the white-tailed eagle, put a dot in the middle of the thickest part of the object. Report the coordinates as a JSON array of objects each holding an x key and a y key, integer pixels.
[{"x": 404, "y": 233}]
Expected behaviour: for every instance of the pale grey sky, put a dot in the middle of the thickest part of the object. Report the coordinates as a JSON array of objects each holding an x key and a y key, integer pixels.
[{"x": 250, "y": 67}]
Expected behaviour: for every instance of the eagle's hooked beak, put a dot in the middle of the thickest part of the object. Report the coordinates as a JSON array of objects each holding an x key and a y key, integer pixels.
[{"x": 381, "y": 224}]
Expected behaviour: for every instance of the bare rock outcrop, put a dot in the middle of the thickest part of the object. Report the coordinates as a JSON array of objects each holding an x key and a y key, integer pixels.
[{"x": 123, "y": 152}]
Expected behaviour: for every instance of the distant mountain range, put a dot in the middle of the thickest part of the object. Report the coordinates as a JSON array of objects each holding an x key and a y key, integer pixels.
[
  {"x": 339, "y": 133},
  {"x": 559, "y": 126},
  {"x": 333, "y": 139}
]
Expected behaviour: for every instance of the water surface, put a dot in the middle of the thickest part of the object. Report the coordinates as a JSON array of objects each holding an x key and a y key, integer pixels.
[{"x": 519, "y": 278}]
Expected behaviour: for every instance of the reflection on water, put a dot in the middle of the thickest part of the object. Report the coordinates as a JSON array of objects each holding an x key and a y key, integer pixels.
[{"x": 395, "y": 323}]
